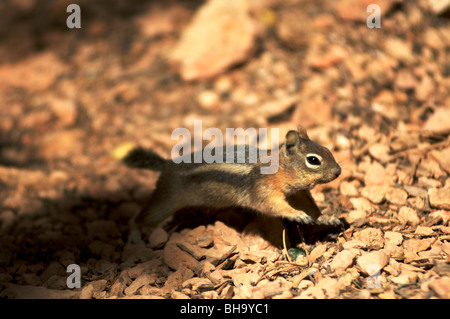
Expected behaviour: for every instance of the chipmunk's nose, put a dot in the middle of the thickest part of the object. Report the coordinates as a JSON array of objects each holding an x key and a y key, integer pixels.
[{"x": 338, "y": 171}]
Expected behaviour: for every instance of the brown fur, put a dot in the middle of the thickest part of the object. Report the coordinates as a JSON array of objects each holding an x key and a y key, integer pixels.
[{"x": 283, "y": 194}]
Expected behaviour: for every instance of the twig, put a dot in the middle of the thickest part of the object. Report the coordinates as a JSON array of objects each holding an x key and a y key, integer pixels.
[
  {"x": 285, "y": 251},
  {"x": 225, "y": 256}
]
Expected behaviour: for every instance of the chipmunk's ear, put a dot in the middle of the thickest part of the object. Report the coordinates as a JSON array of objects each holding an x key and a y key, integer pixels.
[
  {"x": 302, "y": 132},
  {"x": 291, "y": 141}
]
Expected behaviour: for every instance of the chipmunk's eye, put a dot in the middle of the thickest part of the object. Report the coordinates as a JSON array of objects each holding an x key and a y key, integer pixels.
[{"x": 313, "y": 161}]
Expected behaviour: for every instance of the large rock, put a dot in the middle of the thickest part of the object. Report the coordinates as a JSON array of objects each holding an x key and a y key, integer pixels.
[{"x": 220, "y": 35}]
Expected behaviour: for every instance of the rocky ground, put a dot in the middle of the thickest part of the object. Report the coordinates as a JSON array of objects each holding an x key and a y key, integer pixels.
[{"x": 74, "y": 101}]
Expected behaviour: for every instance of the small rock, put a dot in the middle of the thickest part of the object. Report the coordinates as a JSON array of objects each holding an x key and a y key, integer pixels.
[
  {"x": 446, "y": 248},
  {"x": 376, "y": 174},
  {"x": 349, "y": 188},
  {"x": 355, "y": 215},
  {"x": 143, "y": 268},
  {"x": 176, "y": 279},
  {"x": 380, "y": 151},
  {"x": 158, "y": 238},
  {"x": 362, "y": 204},
  {"x": 394, "y": 251},
  {"x": 438, "y": 6},
  {"x": 175, "y": 258},
  {"x": 424, "y": 231},
  {"x": 64, "y": 109},
  {"x": 312, "y": 293},
  {"x": 392, "y": 237},
  {"x": 179, "y": 295},
  {"x": 433, "y": 253},
  {"x": 399, "y": 49},
  {"x": 220, "y": 35},
  {"x": 441, "y": 287},
  {"x": 201, "y": 237},
  {"x": 142, "y": 280},
  {"x": 61, "y": 144},
  {"x": 424, "y": 89},
  {"x": 375, "y": 193},
  {"x": 407, "y": 215},
  {"x": 440, "y": 197},
  {"x": 329, "y": 286},
  {"x": 87, "y": 292},
  {"x": 208, "y": 99},
  {"x": 416, "y": 245},
  {"x": 292, "y": 27},
  {"x": 357, "y": 9},
  {"x": 198, "y": 284},
  {"x": 416, "y": 191},
  {"x": 444, "y": 215},
  {"x": 317, "y": 252},
  {"x": 435, "y": 123},
  {"x": 396, "y": 196},
  {"x": 373, "y": 237},
  {"x": 442, "y": 157},
  {"x": 342, "y": 261},
  {"x": 148, "y": 290},
  {"x": 54, "y": 268},
  {"x": 372, "y": 262},
  {"x": 354, "y": 243},
  {"x": 93, "y": 289}
]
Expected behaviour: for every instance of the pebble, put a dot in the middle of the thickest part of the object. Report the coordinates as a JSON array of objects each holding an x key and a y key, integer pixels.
[
  {"x": 94, "y": 289},
  {"x": 392, "y": 237},
  {"x": 440, "y": 197},
  {"x": 442, "y": 157},
  {"x": 399, "y": 49},
  {"x": 441, "y": 287},
  {"x": 362, "y": 204},
  {"x": 175, "y": 258},
  {"x": 435, "y": 123},
  {"x": 150, "y": 266},
  {"x": 357, "y": 9},
  {"x": 407, "y": 215},
  {"x": 201, "y": 53},
  {"x": 396, "y": 196},
  {"x": 342, "y": 261},
  {"x": 424, "y": 231},
  {"x": 372, "y": 262},
  {"x": 373, "y": 237},
  {"x": 158, "y": 238},
  {"x": 355, "y": 215},
  {"x": 354, "y": 243},
  {"x": 55, "y": 268},
  {"x": 317, "y": 252},
  {"x": 349, "y": 188},
  {"x": 375, "y": 193},
  {"x": 416, "y": 245},
  {"x": 329, "y": 286},
  {"x": 208, "y": 99},
  {"x": 142, "y": 280}
]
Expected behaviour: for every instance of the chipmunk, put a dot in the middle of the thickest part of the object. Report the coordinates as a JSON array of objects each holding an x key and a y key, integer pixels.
[{"x": 286, "y": 193}]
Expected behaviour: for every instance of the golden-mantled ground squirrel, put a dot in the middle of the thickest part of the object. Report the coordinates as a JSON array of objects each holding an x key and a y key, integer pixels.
[{"x": 302, "y": 165}]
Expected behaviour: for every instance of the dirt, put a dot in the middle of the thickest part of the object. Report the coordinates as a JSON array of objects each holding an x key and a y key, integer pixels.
[{"x": 73, "y": 102}]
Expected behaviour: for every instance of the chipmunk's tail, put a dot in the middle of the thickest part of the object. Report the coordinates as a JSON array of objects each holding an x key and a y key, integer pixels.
[{"x": 143, "y": 158}]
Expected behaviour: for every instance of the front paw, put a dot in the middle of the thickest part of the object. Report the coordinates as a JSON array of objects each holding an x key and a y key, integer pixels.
[
  {"x": 301, "y": 218},
  {"x": 329, "y": 220}
]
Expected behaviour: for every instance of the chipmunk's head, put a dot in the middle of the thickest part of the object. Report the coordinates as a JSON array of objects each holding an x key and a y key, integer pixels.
[{"x": 308, "y": 161}]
